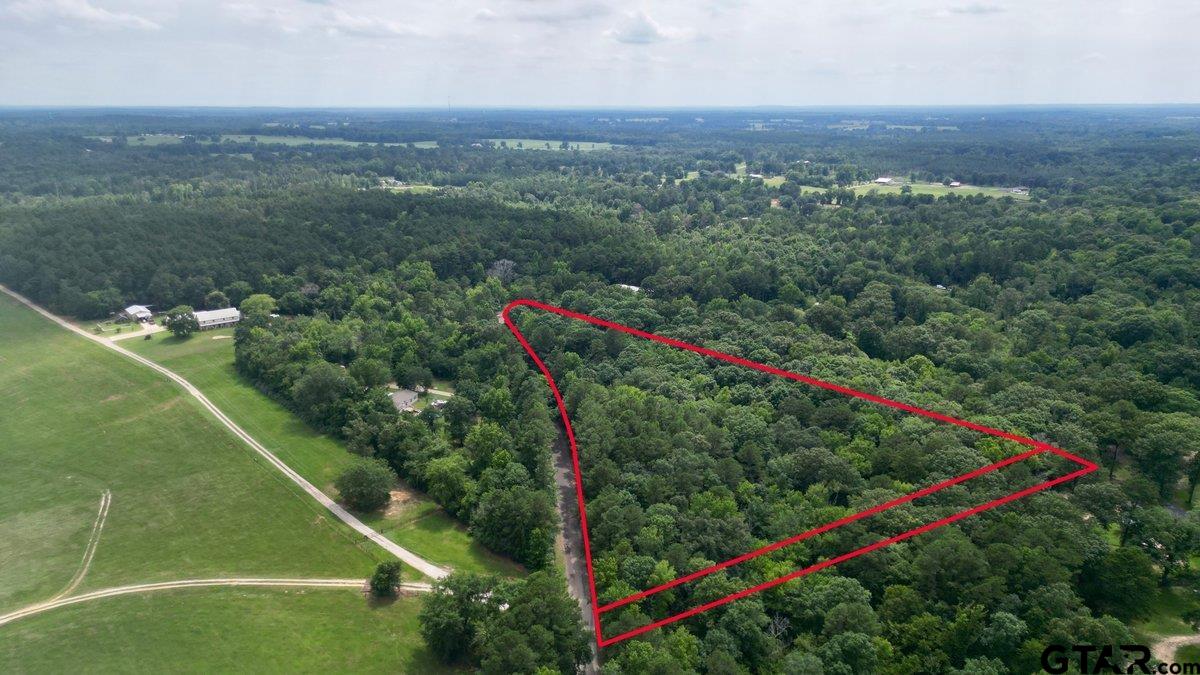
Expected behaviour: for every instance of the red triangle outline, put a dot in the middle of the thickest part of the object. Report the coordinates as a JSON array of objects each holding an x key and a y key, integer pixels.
[{"x": 1037, "y": 447}]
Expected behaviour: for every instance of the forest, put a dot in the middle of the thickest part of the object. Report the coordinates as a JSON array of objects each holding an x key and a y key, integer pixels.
[{"x": 1072, "y": 317}]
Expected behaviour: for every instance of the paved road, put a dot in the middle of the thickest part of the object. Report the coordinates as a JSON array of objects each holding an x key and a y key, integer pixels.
[
  {"x": 572, "y": 538},
  {"x": 424, "y": 566},
  {"x": 194, "y": 583}
]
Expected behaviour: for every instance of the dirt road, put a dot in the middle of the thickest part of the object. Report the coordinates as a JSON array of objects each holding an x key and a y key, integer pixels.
[
  {"x": 194, "y": 583},
  {"x": 571, "y": 539},
  {"x": 424, "y": 566},
  {"x": 1164, "y": 650}
]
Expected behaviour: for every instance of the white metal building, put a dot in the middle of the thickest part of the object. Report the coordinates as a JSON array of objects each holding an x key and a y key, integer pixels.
[
  {"x": 217, "y": 318},
  {"x": 138, "y": 313}
]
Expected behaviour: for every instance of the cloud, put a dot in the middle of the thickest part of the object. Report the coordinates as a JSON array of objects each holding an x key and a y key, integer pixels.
[
  {"x": 639, "y": 29},
  {"x": 342, "y": 23},
  {"x": 547, "y": 13},
  {"x": 77, "y": 12},
  {"x": 319, "y": 18},
  {"x": 977, "y": 9}
]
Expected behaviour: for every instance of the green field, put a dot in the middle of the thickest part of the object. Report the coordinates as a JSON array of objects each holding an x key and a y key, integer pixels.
[
  {"x": 937, "y": 190},
  {"x": 222, "y": 630},
  {"x": 419, "y": 524},
  {"x": 540, "y": 144},
  {"x": 1188, "y": 654},
  {"x": 261, "y": 139},
  {"x": 264, "y": 139},
  {"x": 154, "y": 139},
  {"x": 1167, "y": 610},
  {"x": 189, "y": 500}
]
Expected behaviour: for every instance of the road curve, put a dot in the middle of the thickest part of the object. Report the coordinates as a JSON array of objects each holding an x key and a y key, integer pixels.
[
  {"x": 1164, "y": 650},
  {"x": 424, "y": 566},
  {"x": 194, "y": 583}
]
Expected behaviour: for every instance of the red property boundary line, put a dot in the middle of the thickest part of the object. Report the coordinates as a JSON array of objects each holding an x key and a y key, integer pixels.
[{"x": 1037, "y": 448}]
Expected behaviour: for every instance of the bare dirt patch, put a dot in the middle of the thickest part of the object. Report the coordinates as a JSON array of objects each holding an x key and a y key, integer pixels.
[{"x": 401, "y": 497}]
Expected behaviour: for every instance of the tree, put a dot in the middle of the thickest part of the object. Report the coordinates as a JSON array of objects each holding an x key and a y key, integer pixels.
[
  {"x": 366, "y": 484},
  {"x": 540, "y": 627},
  {"x": 455, "y": 611},
  {"x": 386, "y": 578},
  {"x": 1161, "y": 447},
  {"x": 370, "y": 372},
  {"x": 181, "y": 320},
  {"x": 216, "y": 300},
  {"x": 1122, "y": 583},
  {"x": 237, "y": 292},
  {"x": 503, "y": 269},
  {"x": 258, "y": 305},
  {"x": 323, "y": 393}
]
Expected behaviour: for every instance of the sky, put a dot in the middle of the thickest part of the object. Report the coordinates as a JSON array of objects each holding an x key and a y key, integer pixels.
[{"x": 597, "y": 53}]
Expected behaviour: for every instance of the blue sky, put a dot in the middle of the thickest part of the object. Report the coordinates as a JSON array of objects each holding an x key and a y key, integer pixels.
[{"x": 597, "y": 52}]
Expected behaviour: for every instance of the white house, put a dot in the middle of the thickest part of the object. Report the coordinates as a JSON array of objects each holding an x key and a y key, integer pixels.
[
  {"x": 629, "y": 287},
  {"x": 955, "y": 183},
  {"x": 217, "y": 318},
  {"x": 138, "y": 313},
  {"x": 883, "y": 180}
]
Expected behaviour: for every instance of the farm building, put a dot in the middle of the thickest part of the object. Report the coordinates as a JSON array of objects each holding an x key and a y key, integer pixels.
[
  {"x": 955, "y": 183},
  {"x": 139, "y": 313},
  {"x": 883, "y": 180},
  {"x": 217, "y": 318}
]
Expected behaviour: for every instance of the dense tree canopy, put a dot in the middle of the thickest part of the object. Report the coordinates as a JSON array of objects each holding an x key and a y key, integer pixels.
[{"x": 1069, "y": 313}]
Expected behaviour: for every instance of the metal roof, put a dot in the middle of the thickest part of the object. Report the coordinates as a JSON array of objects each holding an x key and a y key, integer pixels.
[{"x": 218, "y": 315}]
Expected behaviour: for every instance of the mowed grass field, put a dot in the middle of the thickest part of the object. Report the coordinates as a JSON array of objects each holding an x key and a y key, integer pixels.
[
  {"x": 413, "y": 521},
  {"x": 540, "y": 144},
  {"x": 938, "y": 190},
  {"x": 264, "y": 139},
  {"x": 261, "y": 139},
  {"x": 222, "y": 630},
  {"x": 189, "y": 500}
]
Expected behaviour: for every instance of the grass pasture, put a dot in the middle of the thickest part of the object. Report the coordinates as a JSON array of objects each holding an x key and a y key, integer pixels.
[
  {"x": 541, "y": 143},
  {"x": 222, "y": 630},
  {"x": 265, "y": 139},
  {"x": 419, "y": 525},
  {"x": 1188, "y": 654},
  {"x": 1168, "y": 609},
  {"x": 189, "y": 500},
  {"x": 937, "y": 190}
]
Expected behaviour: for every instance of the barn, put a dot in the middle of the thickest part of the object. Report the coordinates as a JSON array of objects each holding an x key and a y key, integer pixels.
[{"x": 217, "y": 318}]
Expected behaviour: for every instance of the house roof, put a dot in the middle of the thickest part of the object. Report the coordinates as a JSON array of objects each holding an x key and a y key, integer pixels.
[
  {"x": 227, "y": 314},
  {"x": 137, "y": 309}
]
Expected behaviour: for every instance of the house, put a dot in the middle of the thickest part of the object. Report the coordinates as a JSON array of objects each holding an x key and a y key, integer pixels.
[
  {"x": 404, "y": 399},
  {"x": 955, "y": 183},
  {"x": 883, "y": 180},
  {"x": 139, "y": 313},
  {"x": 217, "y": 318},
  {"x": 635, "y": 289}
]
